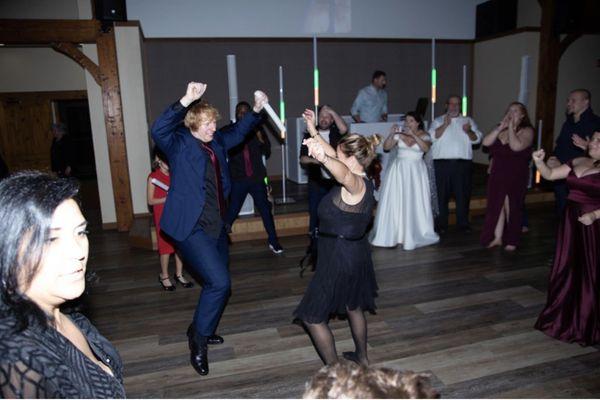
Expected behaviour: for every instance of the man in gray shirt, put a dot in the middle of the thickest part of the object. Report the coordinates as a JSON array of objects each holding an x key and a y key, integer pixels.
[{"x": 370, "y": 104}]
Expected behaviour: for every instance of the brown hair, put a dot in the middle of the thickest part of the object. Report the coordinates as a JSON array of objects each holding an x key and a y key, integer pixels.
[
  {"x": 198, "y": 113},
  {"x": 361, "y": 147},
  {"x": 525, "y": 121},
  {"x": 351, "y": 381}
]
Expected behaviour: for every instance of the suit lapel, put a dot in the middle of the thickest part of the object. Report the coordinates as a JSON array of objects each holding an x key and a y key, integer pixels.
[{"x": 195, "y": 156}]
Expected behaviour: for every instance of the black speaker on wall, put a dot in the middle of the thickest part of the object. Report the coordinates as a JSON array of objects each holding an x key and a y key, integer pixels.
[
  {"x": 108, "y": 11},
  {"x": 494, "y": 17}
]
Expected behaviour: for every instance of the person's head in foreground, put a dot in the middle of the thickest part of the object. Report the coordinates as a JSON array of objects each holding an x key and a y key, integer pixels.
[
  {"x": 345, "y": 380},
  {"x": 43, "y": 247}
]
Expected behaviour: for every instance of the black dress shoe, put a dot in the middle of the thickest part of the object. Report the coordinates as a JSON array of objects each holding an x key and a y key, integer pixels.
[
  {"x": 185, "y": 284},
  {"x": 198, "y": 352},
  {"x": 215, "y": 339}
]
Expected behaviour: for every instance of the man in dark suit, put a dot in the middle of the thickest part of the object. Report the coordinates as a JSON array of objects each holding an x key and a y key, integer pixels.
[
  {"x": 195, "y": 208},
  {"x": 248, "y": 174},
  {"x": 576, "y": 131}
]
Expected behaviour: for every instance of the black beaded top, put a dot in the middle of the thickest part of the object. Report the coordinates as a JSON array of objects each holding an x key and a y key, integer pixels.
[{"x": 42, "y": 363}]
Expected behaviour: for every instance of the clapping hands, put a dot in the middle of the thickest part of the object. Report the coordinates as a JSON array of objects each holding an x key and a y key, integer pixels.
[{"x": 580, "y": 142}]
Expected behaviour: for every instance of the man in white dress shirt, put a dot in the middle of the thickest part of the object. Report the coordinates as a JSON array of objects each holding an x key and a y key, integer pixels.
[
  {"x": 453, "y": 137},
  {"x": 370, "y": 104}
]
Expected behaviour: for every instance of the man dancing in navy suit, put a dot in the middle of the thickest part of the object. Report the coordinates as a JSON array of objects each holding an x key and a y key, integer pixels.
[{"x": 195, "y": 207}]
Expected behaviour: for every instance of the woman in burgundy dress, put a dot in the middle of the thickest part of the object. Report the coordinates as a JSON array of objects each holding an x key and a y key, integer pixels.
[
  {"x": 510, "y": 148},
  {"x": 158, "y": 185},
  {"x": 572, "y": 312}
]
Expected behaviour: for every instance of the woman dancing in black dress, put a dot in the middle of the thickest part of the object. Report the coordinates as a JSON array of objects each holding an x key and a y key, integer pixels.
[{"x": 344, "y": 281}]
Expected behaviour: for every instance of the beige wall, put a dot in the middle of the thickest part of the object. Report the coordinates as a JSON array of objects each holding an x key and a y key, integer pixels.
[
  {"x": 496, "y": 79},
  {"x": 38, "y": 70}
]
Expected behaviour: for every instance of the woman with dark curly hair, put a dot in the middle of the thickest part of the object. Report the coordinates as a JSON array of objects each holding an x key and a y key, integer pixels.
[{"x": 44, "y": 352}]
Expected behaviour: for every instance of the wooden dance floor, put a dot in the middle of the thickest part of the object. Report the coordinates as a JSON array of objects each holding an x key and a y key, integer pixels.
[{"x": 462, "y": 313}]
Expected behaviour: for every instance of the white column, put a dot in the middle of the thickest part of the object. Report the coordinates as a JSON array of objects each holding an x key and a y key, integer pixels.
[
  {"x": 232, "y": 84},
  {"x": 133, "y": 100},
  {"x": 105, "y": 189}
]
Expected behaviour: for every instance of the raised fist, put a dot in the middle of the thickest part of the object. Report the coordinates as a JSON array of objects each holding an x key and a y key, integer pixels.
[
  {"x": 260, "y": 99},
  {"x": 538, "y": 155},
  {"x": 309, "y": 117},
  {"x": 194, "y": 91}
]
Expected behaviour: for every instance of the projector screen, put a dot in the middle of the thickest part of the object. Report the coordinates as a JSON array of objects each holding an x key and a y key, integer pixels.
[{"x": 304, "y": 18}]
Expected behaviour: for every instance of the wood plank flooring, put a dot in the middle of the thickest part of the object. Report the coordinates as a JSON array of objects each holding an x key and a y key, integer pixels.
[{"x": 462, "y": 313}]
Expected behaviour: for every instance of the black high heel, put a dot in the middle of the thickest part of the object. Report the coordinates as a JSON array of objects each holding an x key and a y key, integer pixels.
[
  {"x": 186, "y": 285},
  {"x": 165, "y": 287}
]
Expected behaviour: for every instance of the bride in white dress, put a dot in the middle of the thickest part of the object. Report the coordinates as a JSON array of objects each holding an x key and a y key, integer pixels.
[{"x": 404, "y": 213}]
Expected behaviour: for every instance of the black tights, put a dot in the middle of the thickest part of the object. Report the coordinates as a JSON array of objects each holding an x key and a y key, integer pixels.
[{"x": 325, "y": 344}]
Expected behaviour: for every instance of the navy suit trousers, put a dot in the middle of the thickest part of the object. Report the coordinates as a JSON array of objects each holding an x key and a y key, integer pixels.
[{"x": 208, "y": 258}]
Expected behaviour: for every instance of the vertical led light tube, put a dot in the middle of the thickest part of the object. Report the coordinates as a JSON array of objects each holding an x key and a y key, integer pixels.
[
  {"x": 464, "y": 92},
  {"x": 315, "y": 74},
  {"x": 538, "y": 177},
  {"x": 283, "y": 151},
  {"x": 232, "y": 83},
  {"x": 281, "y": 101},
  {"x": 433, "y": 79}
]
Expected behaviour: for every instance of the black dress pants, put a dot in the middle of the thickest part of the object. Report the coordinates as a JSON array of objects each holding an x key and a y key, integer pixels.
[{"x": 453, "y": 177}]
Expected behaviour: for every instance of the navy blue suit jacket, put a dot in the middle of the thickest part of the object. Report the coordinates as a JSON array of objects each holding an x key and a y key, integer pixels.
[{"x": 187, "y": 164}]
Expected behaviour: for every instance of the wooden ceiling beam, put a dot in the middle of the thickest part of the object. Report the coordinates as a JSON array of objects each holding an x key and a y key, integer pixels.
[
  {"x": 71, "y": 51},
  {"x": 46, "y": 31}
]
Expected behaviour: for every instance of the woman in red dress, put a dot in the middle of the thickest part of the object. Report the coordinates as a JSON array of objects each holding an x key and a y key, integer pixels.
[
  {"x": 510, "y": 148},
  {"x": 158, "y": 185},
  {"x": 572, "y": 312}
]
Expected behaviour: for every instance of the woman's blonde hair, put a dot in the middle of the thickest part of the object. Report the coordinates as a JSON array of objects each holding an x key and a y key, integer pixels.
[
  {"x": 361, "y": 147},
  {"x": 199, "y": 113},
  {"x": 345, "y": 380}
]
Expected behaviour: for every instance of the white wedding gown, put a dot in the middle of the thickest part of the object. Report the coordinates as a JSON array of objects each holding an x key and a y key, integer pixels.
[{"x": 404, "y": 213}]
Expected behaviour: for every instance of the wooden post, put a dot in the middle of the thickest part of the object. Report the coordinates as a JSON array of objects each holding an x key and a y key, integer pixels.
[
  {"x": 548, "y": 61},
  {"x": 550, "y": 50},
  {"x": 115, "y": 129}
]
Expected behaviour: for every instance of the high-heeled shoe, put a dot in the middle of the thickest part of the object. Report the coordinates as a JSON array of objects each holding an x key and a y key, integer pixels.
[
  {"x": 352, "y": 356},
  {"x": 165, "y": 287},
  {"x": 185, "y": 284}
]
